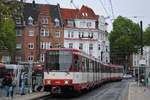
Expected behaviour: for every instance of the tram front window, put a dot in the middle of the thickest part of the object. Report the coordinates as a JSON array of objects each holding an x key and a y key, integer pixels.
[{"x": 59, "y": 60}]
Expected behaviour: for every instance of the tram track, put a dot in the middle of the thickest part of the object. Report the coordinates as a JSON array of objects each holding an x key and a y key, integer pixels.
[{"x": 110, "y": 91}]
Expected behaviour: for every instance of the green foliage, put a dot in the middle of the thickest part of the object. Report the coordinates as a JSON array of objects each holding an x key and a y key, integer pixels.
[
  {"x": 8, "y": 10},
  {"x": 124, "y": 38},
  {"x": 8, "y": 34},
  {"x": 146, "y": 36}
]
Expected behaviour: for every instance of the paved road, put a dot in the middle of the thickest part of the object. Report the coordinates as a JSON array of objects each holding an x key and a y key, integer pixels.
[{"x": 109, "y": 91}]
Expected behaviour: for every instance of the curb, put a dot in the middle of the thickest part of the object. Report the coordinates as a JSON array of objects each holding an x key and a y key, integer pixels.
[{"x": 31, "y": 96}]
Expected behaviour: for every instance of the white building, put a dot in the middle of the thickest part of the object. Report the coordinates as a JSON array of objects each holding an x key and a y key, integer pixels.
[
  {"x": 146, "y": 56},
  {"x": 85, "y": 30}
]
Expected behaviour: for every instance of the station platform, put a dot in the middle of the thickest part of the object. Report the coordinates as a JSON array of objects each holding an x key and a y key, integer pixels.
[
  {"x": 138, "y": 92},
  {"x": 30, "y": 96}
]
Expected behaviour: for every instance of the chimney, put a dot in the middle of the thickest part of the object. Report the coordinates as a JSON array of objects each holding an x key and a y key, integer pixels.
[{"x": 33, "y": 3}]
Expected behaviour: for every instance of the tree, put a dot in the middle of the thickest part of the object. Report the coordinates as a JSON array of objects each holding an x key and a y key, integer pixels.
[
  {"x": 8, "y": 35},
  {"x": 8, "y": 10},
  {"x": 146, "y": 36},
  {"x": 124, "y": 40}
]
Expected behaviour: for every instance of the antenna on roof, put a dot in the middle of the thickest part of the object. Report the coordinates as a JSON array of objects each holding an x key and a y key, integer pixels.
[{"x": 71, "y": 2}]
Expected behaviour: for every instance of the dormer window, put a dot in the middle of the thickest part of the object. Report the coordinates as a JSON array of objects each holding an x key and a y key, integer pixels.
[
  {"x": 56, "y": 22},
  {"x": 86, "y": 14},
  {"x": 18, "y": 20},
  {"x": 82, "y": 14},
  {"x": 30, "y": 20}
]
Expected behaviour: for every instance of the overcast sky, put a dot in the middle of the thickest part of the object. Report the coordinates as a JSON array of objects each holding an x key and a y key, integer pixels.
[{"x": 126, "y": 8}]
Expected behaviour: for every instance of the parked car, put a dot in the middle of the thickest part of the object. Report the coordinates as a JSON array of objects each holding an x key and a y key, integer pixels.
[{"x": 127, "y": 76}]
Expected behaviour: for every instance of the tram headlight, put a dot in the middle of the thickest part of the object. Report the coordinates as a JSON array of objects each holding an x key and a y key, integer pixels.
[
  {"x": 66, "y": 82},
  {"x": 48, "y": 81}
]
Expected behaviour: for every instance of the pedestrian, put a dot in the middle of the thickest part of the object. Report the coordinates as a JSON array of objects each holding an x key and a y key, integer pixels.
[
  {"x": 7, "y": 84},
  {"x": 11, "y": 89},
  {"x": 22, "y": 83}
]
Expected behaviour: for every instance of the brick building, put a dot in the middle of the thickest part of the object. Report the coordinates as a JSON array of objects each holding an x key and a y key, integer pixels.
[{"x": 39, "y": 29}]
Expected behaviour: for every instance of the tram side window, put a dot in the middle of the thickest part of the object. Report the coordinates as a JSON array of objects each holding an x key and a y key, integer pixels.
[
  {"x": 87, "y": 64},
  {"x": 76, "y": 62},
  {"x": 84, "y": 64},
  {"x": 96, "y": 66},
  {"x": 99, "y": 67},
  {"x": 102, "y": 69},
  {"x": 92, "y": 66}
]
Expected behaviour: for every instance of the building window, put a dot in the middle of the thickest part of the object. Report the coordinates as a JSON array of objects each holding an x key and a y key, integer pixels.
[
  {"x": 42, "y": 57},
  {"x": 70, "y": 23},
  {"x": 106, "y": 48},
  {"x": 68, "y": 34},
  {"x": 81, "y": 46},
  {"x": 30, "y": 58},
  {"x": 70, "y": 45},
  {"x": 31, "y": 33},
  {"x": 30, "y": 20},
  {"x": 90, "y": 46},
  {"x": 58, "y": 45},
  {"x": 18, "y": 32},
  {"x": 99, "y": 47},
  {"x": 45, "y": 45},
  {"x": 89, "y": 24},
  {"x": 6, "y": 59},
  {"x": 79, "y": 34},
  {"x": 56, "y": 22},
  {"x": 72, "y": 34},
  {"x": 44, "y": 32},
  {"x": 45, "y": 20},
  {"x": 18, "y": 20},
  {"x": 57, "y": 34},
  {"x": 82, "y": 24},
  {"x": 31, "y": 45},
  {"x": 18, "y": 46},
  {"x": 18, "y": 58},
  {"x": 82, "y": 34}
]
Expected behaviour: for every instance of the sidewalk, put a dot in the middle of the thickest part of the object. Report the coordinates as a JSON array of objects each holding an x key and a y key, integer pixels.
[
  {"x": 138, "y": 92},
  {"x": 27, "y": 96}
]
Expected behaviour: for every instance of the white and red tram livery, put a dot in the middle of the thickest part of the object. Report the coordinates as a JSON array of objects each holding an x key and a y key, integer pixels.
[{"x": 72, "y": 70}]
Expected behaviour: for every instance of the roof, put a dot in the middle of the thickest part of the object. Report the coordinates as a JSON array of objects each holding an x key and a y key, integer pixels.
[
  {"x": 30, "y": 10},
  {"x": 83, "y": 13},
  {"x": 34, "y": 10}
]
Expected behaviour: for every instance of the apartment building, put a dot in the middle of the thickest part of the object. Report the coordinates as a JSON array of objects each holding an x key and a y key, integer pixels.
[{"x": 82, "y": 31}]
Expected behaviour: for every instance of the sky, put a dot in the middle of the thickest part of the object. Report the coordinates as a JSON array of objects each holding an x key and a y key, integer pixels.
[{"x": 136, "y": 10}]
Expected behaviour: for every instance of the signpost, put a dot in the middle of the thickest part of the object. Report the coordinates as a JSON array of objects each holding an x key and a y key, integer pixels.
[{"x": 30, "y": 76}]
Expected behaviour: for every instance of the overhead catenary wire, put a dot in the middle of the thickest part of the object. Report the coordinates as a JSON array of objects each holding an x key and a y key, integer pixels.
[
  {"x": 104, "y": 7},
  {"x": 112, "y": 10},
  {"x": 72, "y": 2}
]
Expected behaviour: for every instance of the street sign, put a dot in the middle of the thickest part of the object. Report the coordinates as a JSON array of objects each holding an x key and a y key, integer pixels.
[{"x": 142, "y": 62}]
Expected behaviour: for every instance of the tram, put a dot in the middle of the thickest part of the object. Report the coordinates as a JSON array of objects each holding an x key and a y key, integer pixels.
[{"x": 71, "y": 70}]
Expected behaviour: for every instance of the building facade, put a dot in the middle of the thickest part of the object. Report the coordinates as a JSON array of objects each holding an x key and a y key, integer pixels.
[
  {"x": 82, "y": 30},
  {"x": 44, "y": 26},
  {"x": 40, "y": 29}
]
